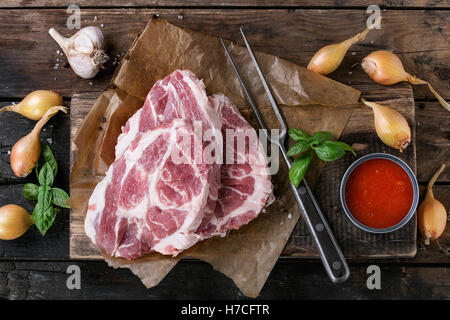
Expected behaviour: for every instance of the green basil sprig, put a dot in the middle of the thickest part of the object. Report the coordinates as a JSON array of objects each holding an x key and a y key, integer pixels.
[
  {"x": 320, "y": 143},
  {"x": 44, "y": 213}
]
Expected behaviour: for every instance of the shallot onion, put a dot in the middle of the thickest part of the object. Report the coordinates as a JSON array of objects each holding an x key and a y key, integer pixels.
[
  {"x": 328, "y": 58},
  {"x": 14, "y": 221},
  {"x": 25, "y": 153},
  {"x": 432, "y": 215},
  {"x": 391, "y": 126},
  {"x": 385, "y": 68},
  {"x": 35, "y": 104}
]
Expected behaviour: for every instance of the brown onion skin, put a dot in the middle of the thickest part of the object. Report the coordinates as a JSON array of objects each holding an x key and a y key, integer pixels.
[
  {"x": 432, "y": 218},
  {"x": 432, "y": 215},
  {"x": 25, "y": 155},
  {"x": 14, "y": 221},
  {"x": 385, "y": 68}
]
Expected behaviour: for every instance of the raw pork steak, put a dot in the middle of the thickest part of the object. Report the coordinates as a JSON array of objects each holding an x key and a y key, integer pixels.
[
  {"x": 180, "y": 95},
  {"x": 245, "y": 180},
  {"x": 147, "y": 201}
]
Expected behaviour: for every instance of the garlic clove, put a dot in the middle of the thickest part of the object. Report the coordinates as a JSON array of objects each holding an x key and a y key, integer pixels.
[
  {"x": 84, "y": 66},
  {"x": 84, "y": 50}
]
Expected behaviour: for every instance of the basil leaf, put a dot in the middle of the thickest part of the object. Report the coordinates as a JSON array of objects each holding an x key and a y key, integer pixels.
[
  {"x": 43, "y": 213},
  {"x": 48, "y": 157},
  {"x": 298, "y": 134},
  {"x": 321, "y": 136},
  {"x": 297, "y": 148},
  {"x": 44, "y": 218},
  {"x": 298, "y": 169},
  {"x": 59, "y": 197},
  {"x": 30, "y": 191},
  {"x": 329, "y": 151},
  {"x": 345, "y": 147},
  {"x": 46, "y": 176}
]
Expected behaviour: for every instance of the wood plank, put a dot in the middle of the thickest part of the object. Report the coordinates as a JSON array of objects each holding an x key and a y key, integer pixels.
[
  {"x": 32, "y": 245},
  {"x": 359, "y": 132},
  {"x": 433, "y": 141},
  {"x": 55, "y": 133},
  {"x": 196, "y": 280},
  {"x": 228, "y": 3},
  {"x": 27, "y": 61}
]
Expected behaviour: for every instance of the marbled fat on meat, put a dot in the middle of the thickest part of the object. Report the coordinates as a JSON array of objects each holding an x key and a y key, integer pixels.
[
  {"x": 146, "y": 202},
  {"x": 245, "y": 182}
]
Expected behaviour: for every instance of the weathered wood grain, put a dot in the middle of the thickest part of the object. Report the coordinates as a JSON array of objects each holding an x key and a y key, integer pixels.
[
  {"x": 433, "y": 140},
  {"x": 229, "y": 3},
  {"x": 196, "y": 280},
  {"x": 360, "y": 134},
  {"x": 32, "y": 245},
  {"x": 420, "y": 37},
  {"x": 55, "y": 133}
]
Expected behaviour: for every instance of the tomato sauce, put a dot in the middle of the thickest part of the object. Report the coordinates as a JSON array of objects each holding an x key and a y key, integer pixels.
[{"x": 379, "y": 193}]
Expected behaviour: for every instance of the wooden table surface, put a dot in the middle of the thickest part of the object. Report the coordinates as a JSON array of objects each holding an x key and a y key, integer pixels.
[{"x": 34, "y": 267}]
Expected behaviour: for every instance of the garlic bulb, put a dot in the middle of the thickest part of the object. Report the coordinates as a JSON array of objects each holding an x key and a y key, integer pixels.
[{"x": 84, "y": 50}]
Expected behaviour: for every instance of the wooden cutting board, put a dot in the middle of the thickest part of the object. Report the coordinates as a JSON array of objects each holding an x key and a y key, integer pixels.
[{"x": 360, "y": 133}]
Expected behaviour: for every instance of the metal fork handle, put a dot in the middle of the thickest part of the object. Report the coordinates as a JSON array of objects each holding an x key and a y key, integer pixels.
[
  {"x": 329, "y": 250},
  {"x": 330, "y": 254}
]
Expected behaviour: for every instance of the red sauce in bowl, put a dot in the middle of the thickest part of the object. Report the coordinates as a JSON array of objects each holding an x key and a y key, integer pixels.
[{"x": 379, "y": 193}]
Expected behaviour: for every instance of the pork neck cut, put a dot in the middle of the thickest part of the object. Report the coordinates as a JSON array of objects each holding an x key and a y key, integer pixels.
[
  {"x": 245, "y": 178},
  {"x": 152, "y": 197},
  {"x": 148, "y": 202}
]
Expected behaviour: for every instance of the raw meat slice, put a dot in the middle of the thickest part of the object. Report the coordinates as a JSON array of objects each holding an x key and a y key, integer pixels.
[
  {"x": 148, "y": 201},
  {"x": 245, "y": 180},
  {"x": 180, "y": 95}
]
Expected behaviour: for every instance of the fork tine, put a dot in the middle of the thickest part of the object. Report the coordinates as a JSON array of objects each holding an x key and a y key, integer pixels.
[
  {"x": 266, "y": 88},
  {"x": 249, "y": 98}
]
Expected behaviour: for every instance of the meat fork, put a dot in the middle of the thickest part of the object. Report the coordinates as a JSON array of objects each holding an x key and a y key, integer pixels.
[{"x": 329, "y": 251}]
